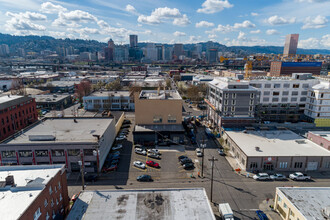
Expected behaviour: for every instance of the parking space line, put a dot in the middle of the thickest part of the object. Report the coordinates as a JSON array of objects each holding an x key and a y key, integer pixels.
[
  {"x": 158, "y": 169},
  {"x": 139, "y": 168}
]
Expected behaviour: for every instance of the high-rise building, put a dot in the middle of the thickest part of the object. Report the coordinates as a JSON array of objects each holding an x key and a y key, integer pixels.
[
  {"x": 160, "y": 52},
  {"x": 133, "y": 41},
  {"x": 109, "y": 52},
  {"x": 212, "y": 55},
  {"x": 150, "y": 52},
  {"x": 4, "y": 50},
  {"x": 291, "y": 43},
  {"x": 121, "y": 54},
  {"x": 178, "y": 51}
]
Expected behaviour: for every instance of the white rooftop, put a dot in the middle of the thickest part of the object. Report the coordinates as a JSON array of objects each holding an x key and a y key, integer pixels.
[
  {"x": 308, "y": 200},
  {"x": 323, "y": 134},
  {"x": 64, "y": 130},
  {"x": 7, "y": 98},
  {"x": 30, "y": 182},
  {"x": 275, "y": 143},
  {"x": 109, "y": 93},
  {"x": 161, "y": 94},
  {"x": 165, "y": 204}
]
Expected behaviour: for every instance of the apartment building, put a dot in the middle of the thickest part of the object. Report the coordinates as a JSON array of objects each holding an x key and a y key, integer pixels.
[
  {"x": 283, "y": 99},
  {"x": 104, "y": 100},
  {"x": 231, "y": 102},
  {"x": 16, "y": 112},
  {"x": 33, "y": 192}
]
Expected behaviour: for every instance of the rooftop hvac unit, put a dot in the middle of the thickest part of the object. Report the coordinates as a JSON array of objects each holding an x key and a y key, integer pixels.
[{"x": 257, "y": 148}]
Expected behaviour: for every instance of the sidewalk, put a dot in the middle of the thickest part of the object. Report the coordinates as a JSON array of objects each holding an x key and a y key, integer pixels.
[
  {"x": 264, "y": 206},
  {"x": 236, "y": 165}
]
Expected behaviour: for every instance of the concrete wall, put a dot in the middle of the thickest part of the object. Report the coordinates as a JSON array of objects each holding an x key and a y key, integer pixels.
[
  {"x": 319, "y": 140},
  {"x": 120, "y": 122},
  {"x": 105, "y": 146}
]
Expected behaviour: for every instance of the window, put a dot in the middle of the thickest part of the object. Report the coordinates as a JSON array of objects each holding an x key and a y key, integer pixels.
[
  {"x": 279, "y": 199},
  {"x": 37, "y": 214},
  {"x": 267, "y": 85},
  {"x": 252, "y": 95},
  {"x": 265, "y": 99},
  {"x": 8, "y": 154},
  {"x": 253, "y": 165},
  {"x": 233, "y": 108},
  {"x": 225, "y": 102},
  {"x": 285, "y": 206},
  {"x": 88, "y": 152},
  {"x": 295, "y": 86},
  {"x": 251, "y": 102},
  {"x": 225, "y": 109},
  {"x": 291, "y": 213},
  {"x": 55, "y": 188},
  {"x": 284, "y": 93},
  {"x": 233, "y": 102},
  {"x": 251, "y": 108},
  {"x": 294, "y": 93},
  {"x": 46, "y": 203},
  {"x": 47, "y": 216},
  {"x": 284, "y": 99},
  {"x": 52, "y": 203},
  {"x": 283, "y": 164},
  {"x": 327, "y": 164},
  {"x": 50, "y": 190},
  {"x": 305, "y": 86},
  {"x": 298, "y": 165},
  {"x": 158, "y": 119},
  {"x": 171, "y": 119},
  {"x": 277, "y": 85},
  {"x": 266, "y": 92},
  {"x": 276, "y": 93},
  {"x": 57, "y": 153},
  {"x": 304, "y": 93},
  {"x": 56, "y": 201},
  {"x": 293, "y": 99},
  {"x": 275, "y": 99},
  {"x": 286, "y": 85},
  {"x": 73, "y": 152},
  {"x": 54, "y": 214},
  {"x": 25, "y": 153},
  {"x": 234, "y": 95},
  {"x": 303, "y": 99},
  {"x": 41, "y": 153},
  {"x": 226, "y": 95},
  {"x": 59, "y": 185}
]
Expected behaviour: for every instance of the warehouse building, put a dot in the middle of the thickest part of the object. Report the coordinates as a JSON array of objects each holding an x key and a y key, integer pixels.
[
  {"x": 52, "y": 102},
  {"x": 321, "y": 138},
  {"x": 276, "y": 150},
  {"x": 62, "y": 141},
  {"x": 278, "y": 68}
]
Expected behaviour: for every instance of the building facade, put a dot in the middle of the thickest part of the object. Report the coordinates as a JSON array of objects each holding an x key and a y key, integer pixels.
[
  {"x": 321, "y": 138},
  {"x": 278, "y": 68},
  {"x": 291, "y": 43},
  {"x": 16, "y": 113},
  {"x": 52, "y": 102}
]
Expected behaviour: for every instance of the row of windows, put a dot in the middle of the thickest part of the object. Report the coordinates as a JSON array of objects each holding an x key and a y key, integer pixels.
[
  {"x": 159, "y": 119},
  {"x": 44, "y": 153},
  {"x": 279, "y": 85},
  {"x": 283, "y": 165},
  {"x": 284, "y": 93},
  {"x": 284, "y": 99}
]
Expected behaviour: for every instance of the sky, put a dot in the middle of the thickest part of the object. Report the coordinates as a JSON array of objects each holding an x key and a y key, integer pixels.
[{"x": 229, "y": 22}]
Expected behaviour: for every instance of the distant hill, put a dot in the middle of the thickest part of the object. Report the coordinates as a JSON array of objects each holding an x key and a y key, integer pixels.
[{"x": 39, "y": 43}]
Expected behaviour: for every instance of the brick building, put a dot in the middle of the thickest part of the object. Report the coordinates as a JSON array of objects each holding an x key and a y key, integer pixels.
[
  {"x": 16, "y": 112},
  {"x": 33, "y": 192},
  {"x": 278, "y": 68}
]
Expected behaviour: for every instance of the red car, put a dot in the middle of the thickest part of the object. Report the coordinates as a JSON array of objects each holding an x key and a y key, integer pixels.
[
  {"x": 152, "y": 163},
  {"x": 111, "y": 168}
]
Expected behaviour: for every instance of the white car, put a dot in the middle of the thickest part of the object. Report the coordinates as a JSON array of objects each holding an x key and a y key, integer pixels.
[
  {"x": 199, "y": 153},
  {"x": 117, "y": 147},
  {"x": 277, "y": 176},
  {"x": 155, "y": 151},
  {"x": 140, "y": 151},
  {"x": 261, "y": 176},
  {"x": 139, "y": 164}
]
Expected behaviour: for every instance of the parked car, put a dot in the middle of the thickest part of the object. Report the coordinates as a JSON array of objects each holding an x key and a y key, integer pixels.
[
  {"x": 90, "y": 177},
  {"x": 261, "y": 215},
  {"x": 115, "y": 162},
  {"x": 221, "y": 152},
  {"x": 117, "y": 147},
  {"x": 126, "y": 121},
  {"x": 126, "y": 126},
  {"x": 120, "y": 138},
  {"x": 144, "y": 178},
  {"x": 188, "y": 166},
  {"x": 113, "y": 157},
  {"x": 152, "y": 163},
  {"x": 114, "y": 153},
  {"x": 199, "y": 153},
  {"x": 185, "y": 160},
  {"x": 299, "y": 176},
  {"x": 140, "y": 151},
  {"x": 153, "y": 155},
  {"x": 261, "y": 176},
  {"x": 138, "y": 146},
  {"x": 111, "y": 168},
  {"x": 139, "y": 164},
  {"x": 277, "y": 176},
  {"x": 182, "y": 157},
  {"x": 155, "y": 151},
  {"x": 75, "y": 197}
]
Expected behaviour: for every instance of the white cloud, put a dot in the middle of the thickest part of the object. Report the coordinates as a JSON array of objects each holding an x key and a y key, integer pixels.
[
  {"x": 276, "y": 20},
  {"x": 50, "y": 8},
  {"x": 214, "y": 6},
  {"x": 73, "y": 18},
  {"x": 22, "y": 22},
  {"x": 160, "y": 15},
  {"x": 242, "y": 40},
  {"x": 204, "y": 24},
  {"x": 255, "y": 32},
  {"x": 179, "y": 34},
  {"x": 312, "y": 43},
  {"x": 130, "y": 9},
  {"x": 254, "y": 14},
  {"x": 241, "y": 36},
  {"x": 310, "y": 1},
  {"x": 58, "y": 34},
  {"x": 228, "y": 28},
  {"x": 272, "y": 32},
  {"x": 102, "y": 24},
  {"x": 318, "y": 22},
  {"x": 183, "y": 21},
  {"x": 28, "y": 15},
  {"x": 244, "y": 24},
  {"x": 194, "y": 39},
  {"x": 212, "y": 36}
]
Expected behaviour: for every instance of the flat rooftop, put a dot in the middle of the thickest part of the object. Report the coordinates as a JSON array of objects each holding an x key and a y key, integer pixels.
[
  {"x": 109, "y": 93},
  {"x": 49, "y": 98},
  {"x": 161, "y": 94},
  {"x": 165, "y": 204},
  {"x": 10, "y": 100},
  {"x": 29, "y": 183},
  {"x": 275, "y": 143},
  {"x": 323, "y": 134},
  {"x": 60, "y": 130},
  {"x": 308, "y": 200}
]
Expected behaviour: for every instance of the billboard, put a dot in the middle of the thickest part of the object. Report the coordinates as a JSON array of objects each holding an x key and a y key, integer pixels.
[{"x": 301, "y": 64}]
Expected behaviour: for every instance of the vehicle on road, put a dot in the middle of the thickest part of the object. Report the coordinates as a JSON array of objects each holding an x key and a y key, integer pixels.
[
  {"x": 144, "y": 178},
  {"x": 185, "y": 160},
  {"x": 126, "y": 126},
  {"x": 90, "y": 177},
  {"x": 155, "y": 151},
  {"x": 221, "y": 152},
  {"x": 277, "y": 176},
  {"x": 153, "y": 155},
  {"x": 139, "y": 164},
  {"x": 114, "y": 153},
  {"x": 126, "y": 121},
  {"x": 261, "y": 176},
  {"x": 261, "y": 215},
  {"x": 299, "y": 176},
  {"x": 117, "y": 147},
  {"x": 182, "y": 157},
  {"x": 188, "y": 166},
  {"x": 199, "y": 153},
  {"x": 225, "y": 211},
  {"x": 120, "y": 138},
  {"x": 115, "y": 162},
  {"x": 152, "y": 163},
  {"x": 140, "y": 151},
  {"x": 111, "y": 168}
]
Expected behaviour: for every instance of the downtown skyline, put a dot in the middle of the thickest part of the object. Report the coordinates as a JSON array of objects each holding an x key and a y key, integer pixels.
[{"x": 229, "y": 22}]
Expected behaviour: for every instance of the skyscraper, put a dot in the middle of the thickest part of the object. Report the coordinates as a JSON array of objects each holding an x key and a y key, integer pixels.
[
  {"x": 178, "y": 51},
  {"x": 291, "y": 43},
  {"x": 133, "y": 41},
  {"x": 109, "y": 52}
]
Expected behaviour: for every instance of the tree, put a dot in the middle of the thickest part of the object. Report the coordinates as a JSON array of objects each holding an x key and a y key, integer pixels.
[
  {"x": 193, "y": 93},
  {"x": 83, "y": 89},
  {"x": 168, "y": 84},
  {"x": 114, "y": 86},
  {"x": 17, "y": 87}
]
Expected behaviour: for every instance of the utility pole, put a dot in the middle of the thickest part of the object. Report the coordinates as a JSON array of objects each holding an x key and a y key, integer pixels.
[
  {"x": 203, "y": 146},
  {"x": 212, "y": 164},
  {"x": 81, "y": 163}
]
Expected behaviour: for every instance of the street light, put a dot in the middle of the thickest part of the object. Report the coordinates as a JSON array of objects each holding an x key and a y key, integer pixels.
[
  {"x": 81, "y": 164},
  {"x": 96, "y": 154}
]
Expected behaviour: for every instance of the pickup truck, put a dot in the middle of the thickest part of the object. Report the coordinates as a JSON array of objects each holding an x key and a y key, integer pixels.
[{"x": 299, "y": 176}]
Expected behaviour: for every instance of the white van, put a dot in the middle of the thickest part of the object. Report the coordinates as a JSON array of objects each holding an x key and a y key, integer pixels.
[{"x": 225, "y": 211}]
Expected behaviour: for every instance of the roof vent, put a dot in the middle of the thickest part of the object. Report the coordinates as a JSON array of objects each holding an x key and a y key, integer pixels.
[
  {"x": 257, "y": 148},
  {"x": 301, "y": 141},
  {"x": 42, "y": 138},
  {"x": 10, "y": 180}
]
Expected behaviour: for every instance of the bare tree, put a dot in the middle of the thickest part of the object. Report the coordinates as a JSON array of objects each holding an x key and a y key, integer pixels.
[
  {"x": 17, "y": 87},
  {"x": 83, "y": 89}
]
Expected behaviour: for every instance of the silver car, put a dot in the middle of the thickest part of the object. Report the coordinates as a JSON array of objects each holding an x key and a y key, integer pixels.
[
  {"x": 140, "y": 151},
  {"x": 139, "y": 164},
  {"x": 277, "y": 176}
]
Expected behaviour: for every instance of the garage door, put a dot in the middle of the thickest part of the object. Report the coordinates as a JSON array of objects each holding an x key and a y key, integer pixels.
[{"x": 312, "y": 165}]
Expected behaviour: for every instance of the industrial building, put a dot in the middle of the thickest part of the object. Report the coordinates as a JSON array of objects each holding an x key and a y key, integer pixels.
[
  {"x": 33, "y": 192},
  {"x": 158, "y": 117},
  {"x": 52, "y": 102},
  {"x": 278, "y": 68},
  {"x": 276, "y": 150},
  {"x": 62, "y": 141},
  {"x": 16, "y": 113},
  {"x": 321, "y": 138},
  {"x": 165, "y": 204},
  {"x": 302, "y": 202}
]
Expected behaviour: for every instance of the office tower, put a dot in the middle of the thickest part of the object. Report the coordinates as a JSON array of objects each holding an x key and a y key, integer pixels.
[
  {"x": 4, "y": 50},
  {"x": 178, "y": 51},
  {"x": 121, "y": 54},
  {"x": 212, "y": 55},
  {"x": 291, "y": 43},
  {"x": 109, "y": 52},
  {"x": 160, "y": 52},
  {"x": 133, "y": 41}
]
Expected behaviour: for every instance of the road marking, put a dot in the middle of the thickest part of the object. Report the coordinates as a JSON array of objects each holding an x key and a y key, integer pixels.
[
  {"x": 138, "y": 168},
  {"x": 158, "y": 169},
  {"x": 249, "y": 209}
]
